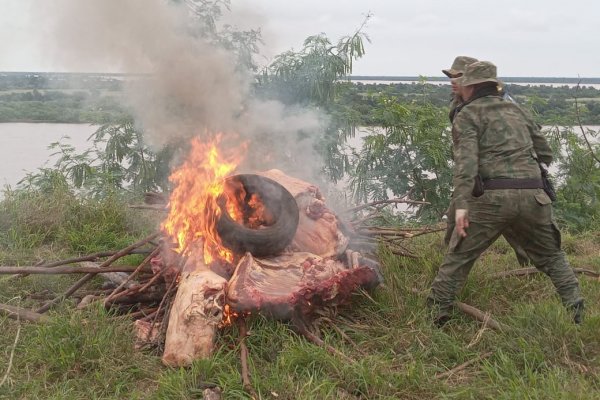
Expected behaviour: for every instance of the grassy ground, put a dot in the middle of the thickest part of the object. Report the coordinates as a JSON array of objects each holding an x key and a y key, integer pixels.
[{"x": 398, "y": 354}]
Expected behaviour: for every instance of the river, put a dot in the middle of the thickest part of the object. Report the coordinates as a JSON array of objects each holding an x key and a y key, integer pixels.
[{"x": 24, "y": 146}]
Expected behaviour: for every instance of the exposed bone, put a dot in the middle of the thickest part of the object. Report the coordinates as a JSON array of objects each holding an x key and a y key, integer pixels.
[{"x": 195, "y": 314}]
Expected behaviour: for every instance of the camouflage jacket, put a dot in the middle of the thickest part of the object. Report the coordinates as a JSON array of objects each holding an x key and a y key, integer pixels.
[{"x": 496, "y": 139}]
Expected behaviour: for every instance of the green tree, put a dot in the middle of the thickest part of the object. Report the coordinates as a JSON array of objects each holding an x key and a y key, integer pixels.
[
  {"x": 313, "y": 77},
  {"x": 409, "y": 155}
]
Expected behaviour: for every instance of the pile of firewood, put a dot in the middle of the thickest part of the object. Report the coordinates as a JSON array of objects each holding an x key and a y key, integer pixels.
[{"x": 178, "y": 302}]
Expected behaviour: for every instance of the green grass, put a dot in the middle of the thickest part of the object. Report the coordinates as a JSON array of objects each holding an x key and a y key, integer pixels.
[{"x": 398, "y": 353}]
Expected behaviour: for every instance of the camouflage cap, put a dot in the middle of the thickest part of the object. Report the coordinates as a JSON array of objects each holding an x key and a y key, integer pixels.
[
  {"x": 479, "y": 72},
  {"x": 458, "y": 66}
]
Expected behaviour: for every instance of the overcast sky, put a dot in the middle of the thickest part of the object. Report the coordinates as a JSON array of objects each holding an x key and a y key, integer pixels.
[{"x": 522, "y": 37}]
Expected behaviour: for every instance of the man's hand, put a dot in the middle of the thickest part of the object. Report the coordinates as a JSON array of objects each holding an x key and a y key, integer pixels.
[{"x": 462, "y": 222}]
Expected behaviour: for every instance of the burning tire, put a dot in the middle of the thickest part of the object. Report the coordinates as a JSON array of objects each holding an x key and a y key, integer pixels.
[{"x": 267, "y": 240}]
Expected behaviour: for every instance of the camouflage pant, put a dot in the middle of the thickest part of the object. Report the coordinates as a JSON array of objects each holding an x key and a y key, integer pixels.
[
  {"x": 508, "y": 234},
  {"x": 528, "y": 214}
]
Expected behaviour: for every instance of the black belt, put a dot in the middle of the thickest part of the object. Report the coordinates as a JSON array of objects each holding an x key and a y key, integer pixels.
[{"x": 509, "y": 183}]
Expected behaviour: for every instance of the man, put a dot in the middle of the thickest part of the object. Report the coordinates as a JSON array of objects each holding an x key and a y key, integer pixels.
[
  {"x": 454, "y": 73},
  {"x": 499, "y": 149}
]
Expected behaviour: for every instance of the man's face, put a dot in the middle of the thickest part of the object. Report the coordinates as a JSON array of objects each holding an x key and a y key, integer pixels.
[
  {"x": 465, "y": 92},
  {"x": 454, "y": 82}
]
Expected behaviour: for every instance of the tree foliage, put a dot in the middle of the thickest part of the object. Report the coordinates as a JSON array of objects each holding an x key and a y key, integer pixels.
[
  {"x": 409, "y": 155},
  {"x": 119, "y": 160},
  {"x": 313, "y": 77},
  {"x": 578, "y": 176}
]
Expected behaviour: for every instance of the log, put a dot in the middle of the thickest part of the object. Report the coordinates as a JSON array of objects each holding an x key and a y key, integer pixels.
[
  {"x": 85, "y": 279},
  {"x": 15, "y": 312},
  {"x": 479, "y": 315},
  {"x": 533, "y": 270},
  {"x": 83, "y": 269},
  {"x": 195, "y": 314}
]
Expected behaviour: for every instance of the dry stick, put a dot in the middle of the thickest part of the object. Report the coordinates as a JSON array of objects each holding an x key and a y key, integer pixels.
[
  {"x": 364, "y": 219},
  {"x": 427, "y": 232},
  {"x": 355, "y": 256},
  {"x": 142, "y": 313},
  {"x": 472, "y": 312},
  {"x": 88, "y": 277},
  {"x": 161, "y": 304},
  {"x": 150, "y": 207},
  {"x": 151, "y": 281},
  {"x": 479, "y": 315},
  {"x": 344, "y": 335},
  {"x": 150, "y": 315},
  {"x": 141, "y": 297},
  {"x": 533, "y": 270},
  {"x": 349, "y": 258},
  {"x": 391, "y": 201},
  {"x": 244, "y": 358},
  {"x": 89, "y": 257},
  {"x": 133, "y": 274},
  {"x": 138, "y": 288},
  {"x": 12, "y": 354},
  {"x": 404, "y": 229},
  {"x": 464, "y": 365},
  {"x": 589, "y": 146},
  {"x": 319, "y": 342},
  {"x": 22, "y": 313},
  {"x": 63, "y": 270}
]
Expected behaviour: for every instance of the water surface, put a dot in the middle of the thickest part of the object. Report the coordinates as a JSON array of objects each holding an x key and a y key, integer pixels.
[{"x": 24, "y": 146}]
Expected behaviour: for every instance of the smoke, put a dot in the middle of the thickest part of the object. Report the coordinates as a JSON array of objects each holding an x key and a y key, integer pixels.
[{"x": 185, "y": 86}]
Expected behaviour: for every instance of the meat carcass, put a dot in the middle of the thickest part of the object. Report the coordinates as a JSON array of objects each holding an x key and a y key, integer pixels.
[
  {"x": 293, "y": 285},
  {"x": 318, "y": 228}
]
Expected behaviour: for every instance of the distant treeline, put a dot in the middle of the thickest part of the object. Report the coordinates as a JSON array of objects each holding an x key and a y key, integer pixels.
[
  {"x": 95, "y": 98},
  {"x": 550, "y": 105},
  {"x": 60, "y": 97},
  {"x": 508, "y": 79}
]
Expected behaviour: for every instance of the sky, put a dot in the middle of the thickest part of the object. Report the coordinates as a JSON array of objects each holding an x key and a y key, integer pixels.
[{"x": 546, "y": 38}]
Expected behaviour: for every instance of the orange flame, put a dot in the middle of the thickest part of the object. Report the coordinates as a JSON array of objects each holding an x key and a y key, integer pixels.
[{"x": 193, "y": 203}]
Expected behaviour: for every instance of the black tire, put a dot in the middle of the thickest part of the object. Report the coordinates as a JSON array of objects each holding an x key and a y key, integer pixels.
[{"x": 268, "y": 240}]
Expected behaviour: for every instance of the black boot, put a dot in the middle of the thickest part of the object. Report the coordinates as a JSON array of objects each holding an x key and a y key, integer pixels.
[
  {"x": 439, "y": 315},
  {"x": 577, "y": 310},
  {"x": 441, "y": 320}
]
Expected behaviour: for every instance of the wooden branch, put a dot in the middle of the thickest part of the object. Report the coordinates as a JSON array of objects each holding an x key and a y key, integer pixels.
[
  {"x": 142, "y": 313},
  {"x": 464, "y": 365},
  {"x": 89, "y": 257},
  {"x": 471, "y": 311},
  {"x": 244, "y": 359},
  {"x": 149, "y": 207},
  {"x": 15, "y": 312},
  {"x": 156, "y": 198},
  {"x": 137, "y": 270},
  {"x": 12, "y": 354},
  {"x": 589, "y": 146},
  {"x": 64, "y": 270},
  {"x": 123, "y": 252},
  {"x": 390, "y": 201},
  {"x": 479, "y": 315},
  {"x": 303, "y": 329},
  {"x": 533, "y": 270}
]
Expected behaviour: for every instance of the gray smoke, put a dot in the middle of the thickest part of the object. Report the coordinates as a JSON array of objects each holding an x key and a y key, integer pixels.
[{"x": 190, "y": 87}]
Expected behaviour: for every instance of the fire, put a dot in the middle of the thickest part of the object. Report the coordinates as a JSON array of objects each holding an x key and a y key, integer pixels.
[
  {"x": 228, "y": 316},
  {"x": 193, "y": 203}
]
